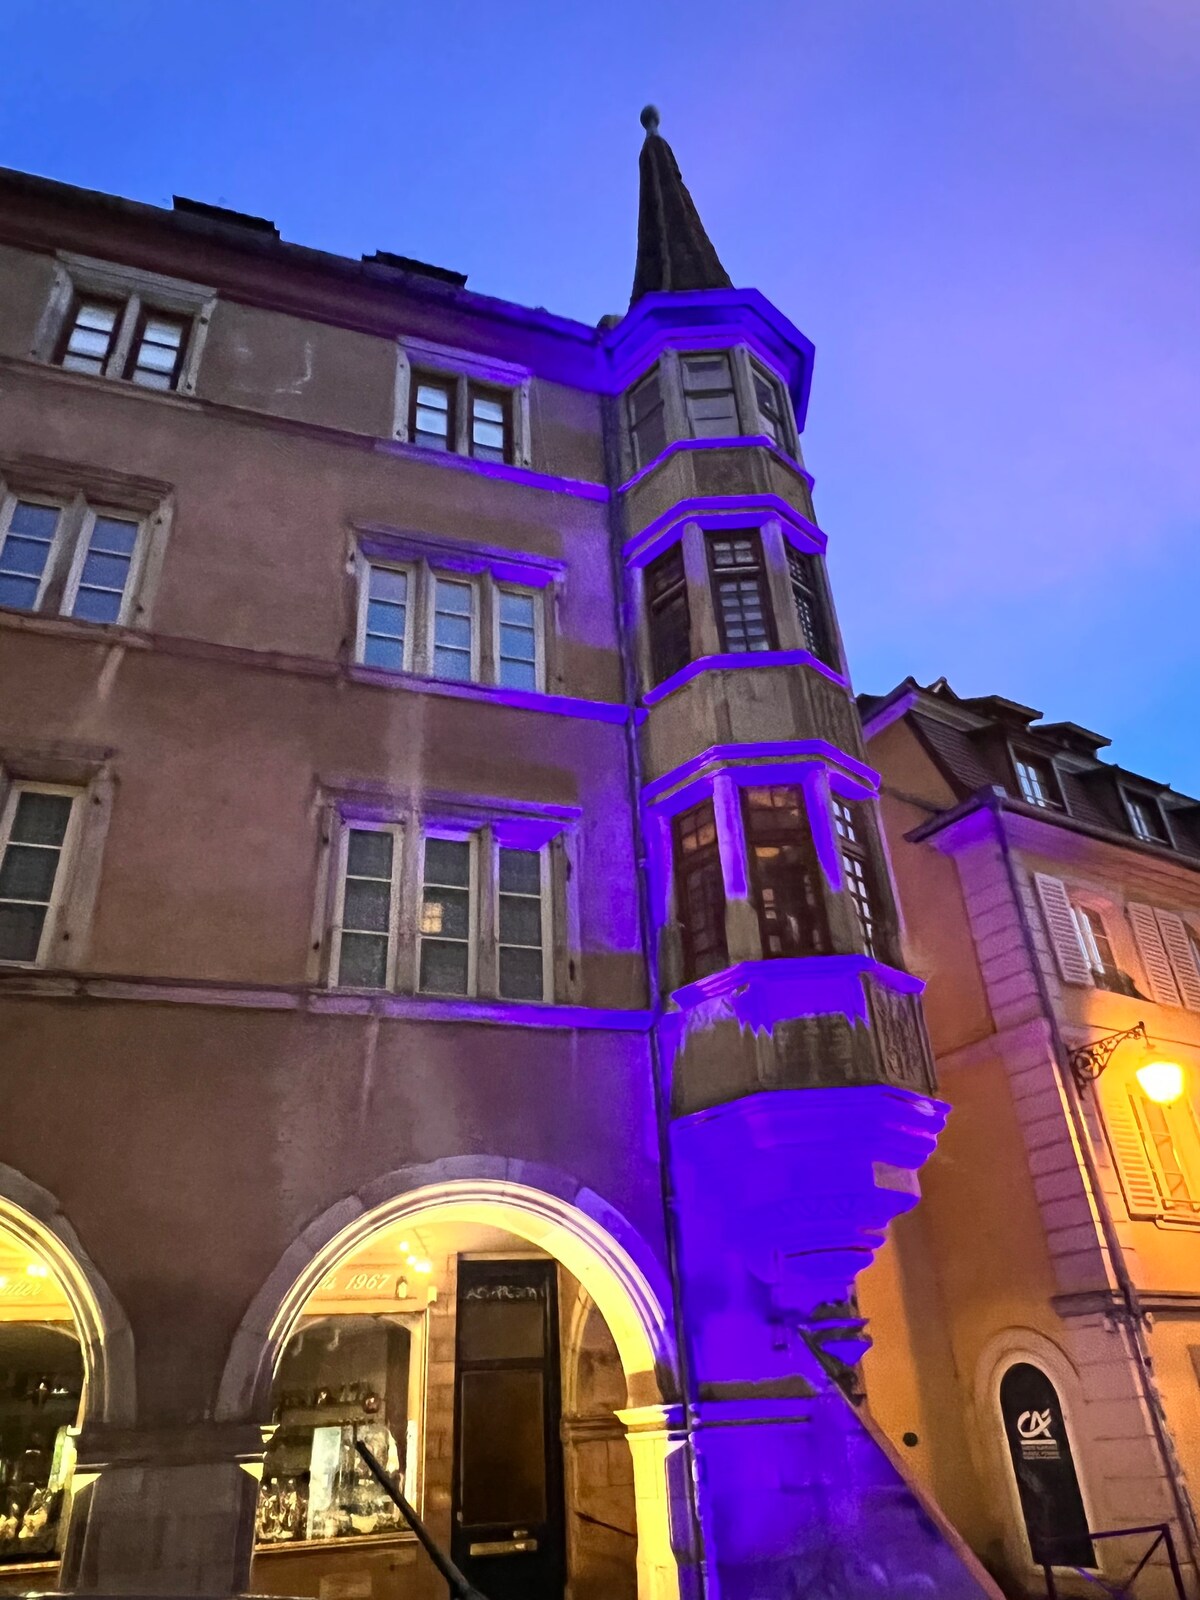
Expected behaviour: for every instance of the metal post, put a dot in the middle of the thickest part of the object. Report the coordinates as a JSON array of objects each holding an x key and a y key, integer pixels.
[{"x": 460, "y": 1588}]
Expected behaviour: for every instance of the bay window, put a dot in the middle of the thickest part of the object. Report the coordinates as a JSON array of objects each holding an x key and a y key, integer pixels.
[
  {"x": 700, "y": 891},
  {"x": 784, "y": 872}
]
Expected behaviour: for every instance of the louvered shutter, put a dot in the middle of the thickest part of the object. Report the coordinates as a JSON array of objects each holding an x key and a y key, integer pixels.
[
  {"x": 1163, "y": 989},
  {"x": 1179, "y": 953},
  {"x": 1128, "y": 1145},
  {"x": 1060, "y": 925}
]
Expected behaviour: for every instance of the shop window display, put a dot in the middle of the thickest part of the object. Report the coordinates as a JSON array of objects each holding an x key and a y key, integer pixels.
[
  {"x": 41, "y": 1381},
  {"x": 341, "y": 1380}
]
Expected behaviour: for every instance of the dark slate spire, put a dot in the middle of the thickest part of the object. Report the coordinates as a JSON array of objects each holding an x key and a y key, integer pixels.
[{"x": 674, "y": 252}]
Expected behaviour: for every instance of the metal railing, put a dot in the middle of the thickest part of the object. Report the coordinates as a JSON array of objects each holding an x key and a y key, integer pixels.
[
  {"x": 1124, "y": 1589},
  {"x": 460, "y": 1587}
]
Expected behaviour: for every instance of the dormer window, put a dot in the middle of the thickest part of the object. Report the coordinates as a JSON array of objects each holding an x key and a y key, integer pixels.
[
  {"x": 1036, "y": 781},
  {"x": 709, "y": 397},
  {"x": 1145, "y": 818}
]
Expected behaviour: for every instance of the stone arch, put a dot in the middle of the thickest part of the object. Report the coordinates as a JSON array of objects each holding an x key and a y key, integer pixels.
[
  {"x": 34, "y": 1216},
  {"x": 540, "y": 1204},
  {"x": 550, "y": 1210}
]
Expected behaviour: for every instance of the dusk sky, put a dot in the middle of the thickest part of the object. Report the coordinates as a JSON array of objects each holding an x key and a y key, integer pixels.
[{"x": 985, "y": 213}]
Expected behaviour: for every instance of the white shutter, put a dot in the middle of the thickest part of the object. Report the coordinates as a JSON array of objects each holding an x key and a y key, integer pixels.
[
  {"x": 1128, "y": 1146},
  {"x": 1153, "y": 952},
  {"x": 1060, "y": 924},
  {"x": 1179, "y": 953}
]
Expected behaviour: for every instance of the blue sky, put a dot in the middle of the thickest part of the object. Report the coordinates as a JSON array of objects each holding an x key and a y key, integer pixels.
[{"x": 986, "y": 213}]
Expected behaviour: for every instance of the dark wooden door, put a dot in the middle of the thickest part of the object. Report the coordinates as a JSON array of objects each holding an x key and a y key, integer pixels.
[{"x": 509, "y": 1535}]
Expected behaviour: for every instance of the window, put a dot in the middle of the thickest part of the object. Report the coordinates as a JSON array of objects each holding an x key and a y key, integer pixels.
[
  {"x": 366, "y": 937},
  {"x": 448, "y": 917},
  {"x": 1145, "y": 818},
  {"x": 453, "y": 629},
  {"x": 34, "y": 837},
  {"x": 518, "y": 645},
  {"x": 700, "y": 889},
  {"x": 740, "y": 591},
  {"x": 157, "y": 350},
  {"x": 491, "y": 429},
  {"x": 808, "y": 601},
  {"x": 771, "y": 406},
  {"x": 857, "y": 868},
  {"x": 126, "y": 339},
  {"x": 69, "y": 559},
  {"x": 1097, "y": 947},
  {"x": 1036, "y": 781},
  {"x": 91, "y": 333},
  {"x": 791, "y": 911},
  {"x": 1170, "y": 1140},
  {"x": 519, "y": 919},
  {"x": 431, "y": 422},
  {"x": 383, "y": 625},
  {"x": 708, "y": 397},
  {"x": 647, "y": 421},
  {"x": 669, "y": 613}
]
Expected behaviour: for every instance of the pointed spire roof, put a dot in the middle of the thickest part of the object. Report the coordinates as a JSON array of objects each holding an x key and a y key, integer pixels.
[{"x": 674, "y": 252}]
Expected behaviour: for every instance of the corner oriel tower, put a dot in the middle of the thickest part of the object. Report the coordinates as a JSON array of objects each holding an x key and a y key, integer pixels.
[{"x": 797, "y": 1073}]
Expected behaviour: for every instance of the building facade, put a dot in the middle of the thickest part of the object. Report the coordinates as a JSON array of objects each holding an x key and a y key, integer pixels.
[
  {"x": 450, "y": 994},
  {"x": 1037, "y": 1319}
]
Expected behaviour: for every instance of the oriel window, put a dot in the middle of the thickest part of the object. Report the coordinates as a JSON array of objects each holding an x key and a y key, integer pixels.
[
  {"x": 33, "y": 843},
  {"x": 668, "y": 613},
  {"x": 739, "y": 585},
  {"x": 785, "y": 874},
  {"x": 431, "y": 421},
  {"x": 809, "y": 603},
  {"x": 700, "y": 890},
  {"x": 709, "y": 397},
  {"x": 519, "y": 923},
  {"x": 448, "y": 917},
  {"x": 647, "y": 421},
  {"x": 856, "y": 867},
  {"x": 771, "y": 406}
]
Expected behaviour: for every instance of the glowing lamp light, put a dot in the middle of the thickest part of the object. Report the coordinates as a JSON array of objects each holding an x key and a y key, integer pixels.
[
  {"x": 3, "y": 1281},
  {"x": 35, "y": 1269},
  {"x": 1161, "y": 1081},
  {"x": 422, "y": 1266}
]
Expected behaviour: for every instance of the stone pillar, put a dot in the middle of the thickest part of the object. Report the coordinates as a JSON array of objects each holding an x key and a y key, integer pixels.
[
  {"x": 164, "y": 1511},
  {"x": 666, "y": 1556}
]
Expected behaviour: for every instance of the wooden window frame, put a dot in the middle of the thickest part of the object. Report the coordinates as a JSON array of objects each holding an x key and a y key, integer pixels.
[
  {"x": 1038, "y": 765},
  {"x": 470, "y": 837},
  {"x": 505, "y": 397},
  {"x": 760, "y": 373},
  {"x": 662, "y": 666},
  {"x": 1135, "y": 800},
  {"x": 546, "y": 902},
  {"x": 61, "y": 578},
  {"x": 655, "y": 376},
  {"x": 346, "y": 826},
  {"x": 725, "y": 354},
  {"x": 1105, "y": 975},
  {"x": 470, "y": 581},
  {"x": 804, "y": 582},
  {"x": 61, "y": 888},
  {"x": 717, "y": 575},
  {"x": 367, "y": 564},
  {"x": 1171, "y": 1207},
  {"x": 145, "y": 313},
  {"x": 853, "y": 848},
  {"x": 449, "y": 385},
  {"x": 684, "y": 867},
  {"x": 821, "y": 943},
  {"x": 537, "y": 597}
]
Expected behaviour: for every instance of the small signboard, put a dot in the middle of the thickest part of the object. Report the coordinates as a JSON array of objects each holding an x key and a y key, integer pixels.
[{"x": 1051, "y": 1502}]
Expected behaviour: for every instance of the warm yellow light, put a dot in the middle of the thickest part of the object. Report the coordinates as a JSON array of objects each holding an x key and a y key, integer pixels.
[
  {"x": 35, "y": 1269},
  {"x": 404, "y": 1246},
  {"x": 1161, "y": 1081},
  {"x": 3, "y": 1282},
  {"x": 422, "y": 1266}
]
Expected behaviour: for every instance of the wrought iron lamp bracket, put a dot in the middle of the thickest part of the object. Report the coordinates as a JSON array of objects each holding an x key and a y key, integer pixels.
[{"x": 1088, "y": 1061}]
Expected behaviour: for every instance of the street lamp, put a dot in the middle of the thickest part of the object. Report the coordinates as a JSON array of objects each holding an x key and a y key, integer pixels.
[{"x": 1160, "y": 1079}]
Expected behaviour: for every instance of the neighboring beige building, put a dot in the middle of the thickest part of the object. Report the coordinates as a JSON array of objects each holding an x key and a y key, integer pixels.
[{"x": 1050, "y": 900}]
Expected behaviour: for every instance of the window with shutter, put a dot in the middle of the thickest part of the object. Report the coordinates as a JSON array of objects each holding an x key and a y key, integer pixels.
[
  {"x": 1159, "y": 976},
  {"x": 1069, "y": 953},
  {"x": 1181, "y": 953},
  {"x": 1129, "y": 1152},
  {"x": 1169, "y": 1139}
]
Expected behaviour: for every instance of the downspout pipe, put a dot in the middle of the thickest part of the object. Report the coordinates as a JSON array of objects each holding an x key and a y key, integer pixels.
[
  {"x": 1132, "y": 1311},
  {"x": 649, "y": 940}
]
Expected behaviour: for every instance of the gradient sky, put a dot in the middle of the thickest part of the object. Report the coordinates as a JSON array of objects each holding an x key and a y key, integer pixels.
[{"x": 986, "y": 213}]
